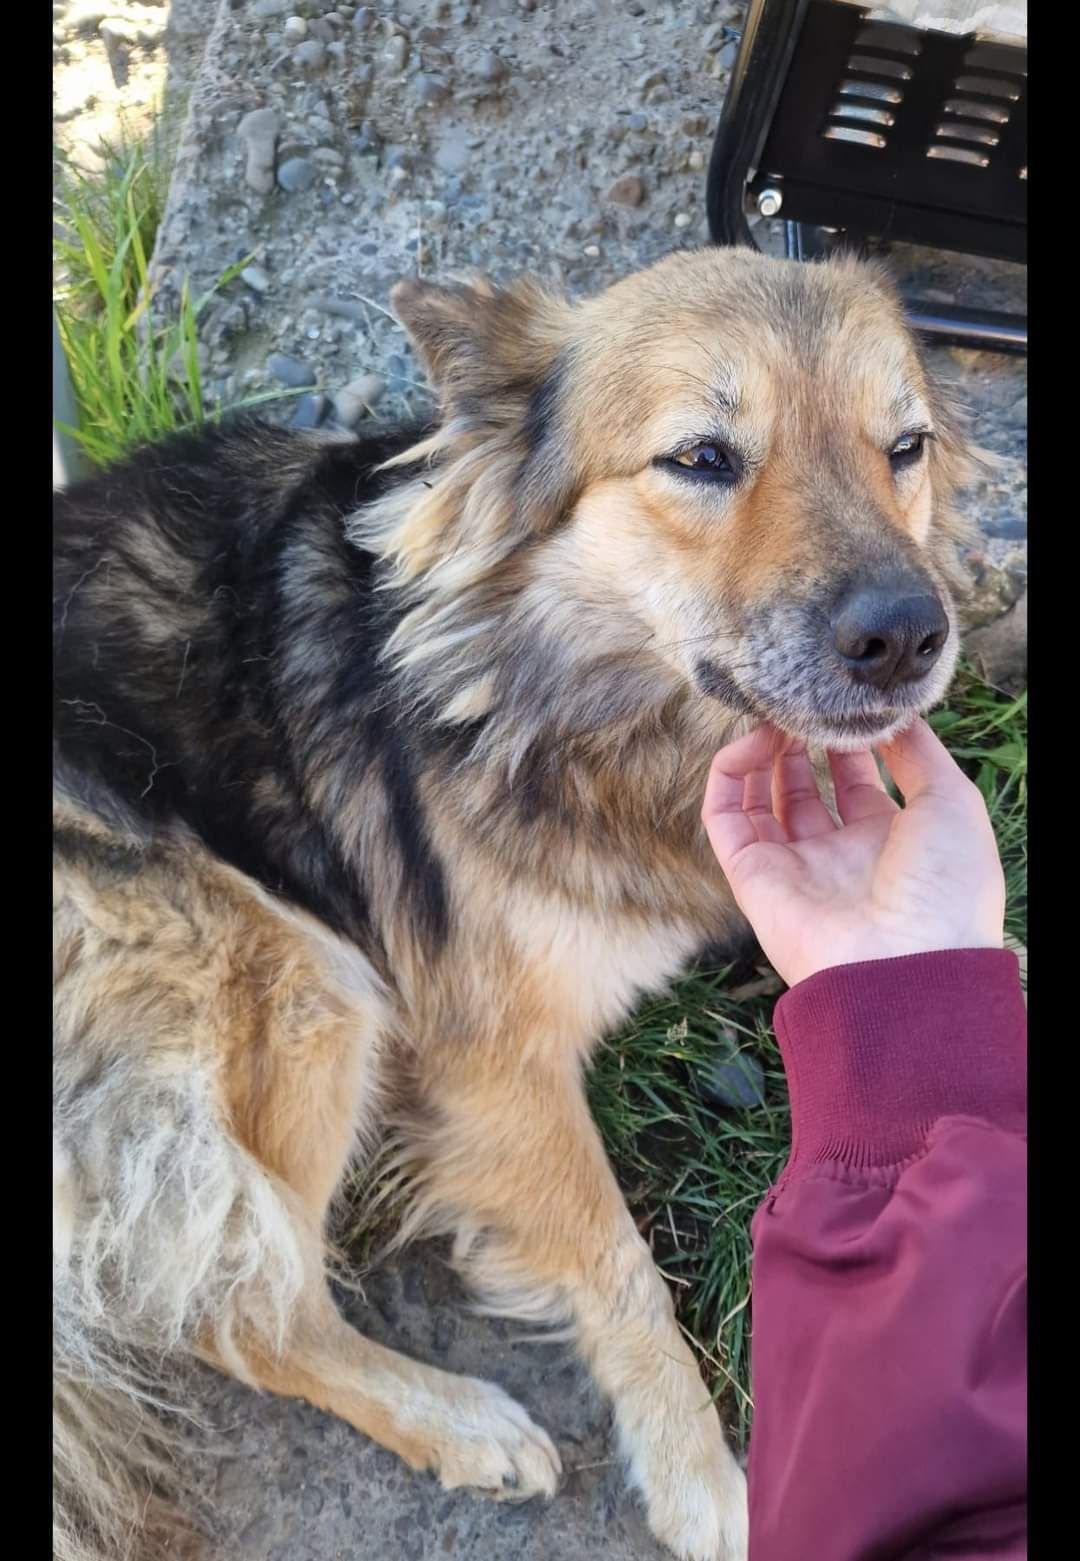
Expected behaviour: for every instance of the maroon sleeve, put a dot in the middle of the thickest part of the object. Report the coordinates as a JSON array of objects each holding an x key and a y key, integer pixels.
[{"x": 890, "y": 1270}]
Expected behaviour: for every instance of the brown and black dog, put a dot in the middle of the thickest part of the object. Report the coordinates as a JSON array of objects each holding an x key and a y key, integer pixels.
[{"x": 379, "y": 766}]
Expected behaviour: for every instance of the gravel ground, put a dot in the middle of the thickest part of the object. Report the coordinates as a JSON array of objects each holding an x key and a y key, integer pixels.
[{"x": 568, "y": 138}]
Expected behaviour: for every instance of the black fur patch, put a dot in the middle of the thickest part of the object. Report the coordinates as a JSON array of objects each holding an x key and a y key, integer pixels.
[{"x": 216, "y": 662}]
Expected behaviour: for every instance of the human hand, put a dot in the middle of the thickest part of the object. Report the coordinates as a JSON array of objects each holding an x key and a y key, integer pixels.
[{"x": 887, "y": 881}]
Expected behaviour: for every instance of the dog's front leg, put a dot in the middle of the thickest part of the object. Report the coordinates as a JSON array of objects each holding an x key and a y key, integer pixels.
[{"x": 517, "y": 1165}]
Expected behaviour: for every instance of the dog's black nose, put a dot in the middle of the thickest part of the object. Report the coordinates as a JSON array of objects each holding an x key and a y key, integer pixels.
[{"x": 887, "y": 639}]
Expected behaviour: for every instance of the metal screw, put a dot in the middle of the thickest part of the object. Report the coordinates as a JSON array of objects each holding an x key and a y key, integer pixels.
[{"x": 769, "y": 202}]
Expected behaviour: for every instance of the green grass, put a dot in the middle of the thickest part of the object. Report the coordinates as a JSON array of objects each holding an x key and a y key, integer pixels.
[
  {"x": 694, "y": 1171},
  {"x": 135, "y": 378}
]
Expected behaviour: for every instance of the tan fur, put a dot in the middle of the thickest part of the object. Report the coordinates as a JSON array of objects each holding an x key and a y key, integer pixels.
[{"x": 281, "y": 1048}]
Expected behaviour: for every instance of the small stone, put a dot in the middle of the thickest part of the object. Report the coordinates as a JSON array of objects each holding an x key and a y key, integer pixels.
[
  {"x": 592, "y": 250},
  {"x": 310, "y": 412},
  {"x": 638, "y": 121},
  {"x": 651, "y": 79},
  {"x": 694, "y": 125},
  {"x": 295, "y": 29},
  {"x": 363, "y": 19},
  {"x": 696, "y": 161},
  {"x": 999, "y": 650},
  {"x": 321, "y": 29},
  {"x": 256, "y": 278},
  {"x": 116, "y": 33},
  {"x": 627, "y": 191},
  {"x": 87, "y": 18},
  {"x": 358, "y": 397},
  {"x": 336, "y": 51},
  {"x": 452, "y": 154},
  {"x": 682, "y": 220},
  {"x": 725, "y": 57},
  {"x": 736, "y": 1078},
  {"x": 297, "y": 175},
  {"x": 311, "y": 55},
  {"x": 258, "y": 131},
  {"x": 490, "y": 67},
  {"x": 270, "y": 8},
  {"x": 396, "y": 53},
  {"x": 327, "y": 157},
  {"x": 290, "y": 371},
  {"x": 430, "y": 89}
]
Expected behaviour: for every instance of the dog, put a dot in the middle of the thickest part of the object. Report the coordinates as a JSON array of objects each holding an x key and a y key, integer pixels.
[{"x": 379, "y": 763}]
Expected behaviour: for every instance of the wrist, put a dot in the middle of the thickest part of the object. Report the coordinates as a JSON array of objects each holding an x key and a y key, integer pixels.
[
  {"x": 866, "y": 950},
  {"x": 875, "y": 1053}
]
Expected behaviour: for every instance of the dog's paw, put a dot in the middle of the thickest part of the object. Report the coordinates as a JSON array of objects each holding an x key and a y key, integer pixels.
[
  {"x": 694, "y": 1490},
  {"x": 482, "y": 1440}
]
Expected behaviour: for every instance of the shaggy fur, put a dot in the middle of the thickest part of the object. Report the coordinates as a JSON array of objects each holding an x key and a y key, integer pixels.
[{"x": 378, "y": 768}]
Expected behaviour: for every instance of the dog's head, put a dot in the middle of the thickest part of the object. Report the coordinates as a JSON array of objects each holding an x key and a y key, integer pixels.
[{"x": 727, "y": 474}]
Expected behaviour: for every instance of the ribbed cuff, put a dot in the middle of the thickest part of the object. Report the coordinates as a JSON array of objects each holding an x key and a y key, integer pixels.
[{"x": 876, "y": 1053}]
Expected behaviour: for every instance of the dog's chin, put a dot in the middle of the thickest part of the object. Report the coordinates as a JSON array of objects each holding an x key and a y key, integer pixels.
[
  {"x": 847, "y": 736},
  {"x": 838, "y": 728}
]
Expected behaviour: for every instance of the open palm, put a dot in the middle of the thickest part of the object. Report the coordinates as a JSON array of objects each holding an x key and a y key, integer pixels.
[{"x": 887, "y": 881}]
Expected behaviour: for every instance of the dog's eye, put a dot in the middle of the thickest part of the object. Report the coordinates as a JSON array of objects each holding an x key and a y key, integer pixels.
[
  {"x": 704, "y": 460},
  {"x": 907, "y": 449}
]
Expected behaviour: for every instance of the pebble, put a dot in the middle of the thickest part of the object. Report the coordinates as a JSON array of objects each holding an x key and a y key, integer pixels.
[
  {"x": 363, "y": 19},
  {"x": 638, "y": 121},
  {"x": 736, "y": 1080},
  {"x": 358, "y": 397},
  {"x": 321, "y": 29},
  {"x": 490, "y": 67},
  {"x": 336, "y": 51},
  {"x": 295, "y": 29},
  {"x": 116, "y": 33},
  {"x": 682, "y": 220},
  {"x": 310, "y": 411},
  {"x": 430, "y": 89},
  {"x": 696, "y": 161},
  {"x": 258, "y": 131},
  {"x": 452, "y": 154},
  {"x": 311, "y": 55},
  {"x": 396, "y": 53},
  {"x": 256, "y": 278},
  {"x": 651, "y": 79},
  {"x": 343, "y": 308},
  {"x": 327, "y": 157},
  {"x": 725, "y": 57},
  {"x": 297, "y": 175},
  {"x": 270, "y": 8},
  {"x": 87, "y": 18},
  {"x": 592, "y": 250},
  {"x": 290, "y": 371},
  {"x": 627, "y": 191}
]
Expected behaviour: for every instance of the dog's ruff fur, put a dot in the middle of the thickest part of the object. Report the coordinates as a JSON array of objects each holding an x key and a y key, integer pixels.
[{"x": 378, "y": 773}]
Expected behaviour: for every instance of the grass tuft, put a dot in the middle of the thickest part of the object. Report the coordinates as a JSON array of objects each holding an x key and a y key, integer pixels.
[{"x": 135, "y": 379}]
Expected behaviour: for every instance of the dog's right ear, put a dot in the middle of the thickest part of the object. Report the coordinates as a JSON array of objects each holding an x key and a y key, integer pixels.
[{"x": 485, "y": 349}]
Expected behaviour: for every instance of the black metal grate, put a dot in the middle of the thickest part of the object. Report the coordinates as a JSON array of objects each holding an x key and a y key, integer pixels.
[{"x": 923, "y": 133}]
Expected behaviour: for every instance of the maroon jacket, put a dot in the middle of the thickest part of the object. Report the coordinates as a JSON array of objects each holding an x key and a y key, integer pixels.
[{"x": 890, "y": 1270}]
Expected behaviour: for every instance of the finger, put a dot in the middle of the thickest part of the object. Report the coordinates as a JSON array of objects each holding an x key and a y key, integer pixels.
[
  {"x": 796, "y": 800},
  {"x": 860, "y": 790},
  {"x": 757, "y": 803},
  {"x": 730, "y": 824},
  {"x": 921, "y": 765}
]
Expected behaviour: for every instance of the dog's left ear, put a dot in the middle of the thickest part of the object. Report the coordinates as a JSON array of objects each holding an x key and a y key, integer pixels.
[{"x": 486, "y": 349}]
